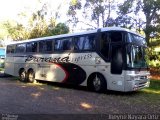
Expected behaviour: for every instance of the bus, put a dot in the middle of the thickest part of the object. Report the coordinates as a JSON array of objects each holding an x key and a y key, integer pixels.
[
  {"x": 110, "y": 58},
  {"x": 2, "y": 57}
]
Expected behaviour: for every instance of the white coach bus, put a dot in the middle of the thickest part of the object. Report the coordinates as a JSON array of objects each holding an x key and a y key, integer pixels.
[{"x": 107, "y": 58}]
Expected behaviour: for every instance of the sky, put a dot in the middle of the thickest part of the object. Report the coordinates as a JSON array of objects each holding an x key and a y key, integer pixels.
[{"x": 10, "y": 8}]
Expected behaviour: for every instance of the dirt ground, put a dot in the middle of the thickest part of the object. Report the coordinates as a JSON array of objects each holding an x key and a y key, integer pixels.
[{"x": 52, "y": 99}]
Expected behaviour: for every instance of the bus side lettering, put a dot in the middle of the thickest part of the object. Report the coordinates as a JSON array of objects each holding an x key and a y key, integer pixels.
[{"x": 47, "y": 59}]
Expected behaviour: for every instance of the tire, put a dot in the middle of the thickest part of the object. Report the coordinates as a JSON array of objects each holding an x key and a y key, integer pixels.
[
  {"x": 22, "y": 75},
  {"x": 97, "y": 83},
  {"x": 31, "y": 76}
]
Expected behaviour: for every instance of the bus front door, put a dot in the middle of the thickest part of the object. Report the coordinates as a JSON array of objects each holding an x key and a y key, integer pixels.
[{"x": 117, "y": 77}]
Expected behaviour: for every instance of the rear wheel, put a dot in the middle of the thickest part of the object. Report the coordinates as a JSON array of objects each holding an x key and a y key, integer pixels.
[
  {"x": 22, "y": 75},
  {"x": 97, "y": 83},
  {"x": 31, "y": 76}
]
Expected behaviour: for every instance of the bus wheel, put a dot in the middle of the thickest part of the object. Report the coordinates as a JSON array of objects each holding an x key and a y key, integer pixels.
[
  {"x": 22, "y": 75},
  {"x": 97, "y": 83},
  {"x": 31, "y": 76}
]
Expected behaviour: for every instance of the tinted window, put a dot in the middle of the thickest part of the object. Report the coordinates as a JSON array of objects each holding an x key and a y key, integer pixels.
[
  {"x": 86, "y": 42},
  {"x": 20, "y": 48},
  {"x": 104, "y": 45},
  {"x": 117, "y": 60},
  {"x": 45, "y": 46},
  {"x": 10, "y": 49},
  {"x": 31, "y": 47},
  {"x": 116, "y": 36},
  {"x": 136, "y": 39},
  {"x": 63, "y": 44}
]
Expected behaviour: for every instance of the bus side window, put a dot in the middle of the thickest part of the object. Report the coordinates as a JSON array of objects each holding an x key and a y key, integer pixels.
[
  {"x": 79, "y": 43},
  {"x": 41, "y": 46},
  {"x": 89, "y": 42},
  {"x": 67, "y": 44},
  {"x": 86, "y": 42},
  {"x": 45, "y": 46},
  {"x": 10, "y": 49},
  {"x": 49, "y": 46},
  {"x": 31, "y": 47},
  {"x": 63, "y": 44},
  {"x": 13, "y": 49},
  {"x": 20, "y": 48},
  {"x": 104, "y": 45}
]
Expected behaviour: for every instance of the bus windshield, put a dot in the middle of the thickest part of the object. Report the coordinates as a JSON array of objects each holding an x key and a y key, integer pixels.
[
  {"x": 136, "y": 51},
  {"x": 136, "y": 57}
]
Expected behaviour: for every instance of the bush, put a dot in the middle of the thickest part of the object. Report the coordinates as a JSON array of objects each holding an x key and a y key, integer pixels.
[{"x": 1, "y": 63}]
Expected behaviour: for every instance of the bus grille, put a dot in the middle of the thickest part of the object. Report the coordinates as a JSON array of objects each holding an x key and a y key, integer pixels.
[{"x": 143, "y": 77}]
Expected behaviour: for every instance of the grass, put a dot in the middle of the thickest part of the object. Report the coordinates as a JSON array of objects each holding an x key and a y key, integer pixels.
[
  {"x": 1, "y": 69},
  {"x": 154, "y": 87},
  {"x": 148, "y": 96},
  {"x": 151, "y": 94}
]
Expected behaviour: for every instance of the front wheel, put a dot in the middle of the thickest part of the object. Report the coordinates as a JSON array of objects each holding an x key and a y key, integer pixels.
[
  {"x": 31, "y": 76},
  {"x": 97, "y": 83}
]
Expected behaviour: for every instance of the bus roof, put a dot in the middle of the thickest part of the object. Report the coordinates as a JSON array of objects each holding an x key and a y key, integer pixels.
[{"x": 75, "y": 34}]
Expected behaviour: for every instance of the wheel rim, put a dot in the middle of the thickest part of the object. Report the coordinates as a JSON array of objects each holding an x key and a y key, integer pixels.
[
  {"x": 31, "y": 76},
  {"x": 22, "y": 75},
  {"x": 97, "y": 83}
]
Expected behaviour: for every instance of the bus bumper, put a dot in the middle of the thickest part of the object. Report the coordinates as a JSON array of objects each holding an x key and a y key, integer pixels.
[{"x": 137, "y": 84}]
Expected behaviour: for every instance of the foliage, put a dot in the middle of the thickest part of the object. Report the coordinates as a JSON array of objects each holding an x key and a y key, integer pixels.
[
  {"x": 41, "y": 28},
  {"x": 130, "y": 16},
  {"x": 142, "y": 15},
  {"x": 97, "y": 12},
  {"x": 4, "y": 31},
  {"x": 60, "y": 28},
  {"x": 150, "y": 9},
  {"x": 1, "y": 64},
  {"x": 153, "y": 58},
  {"x": 38, "y": 25},
  {"x": 14, "y": 30}
]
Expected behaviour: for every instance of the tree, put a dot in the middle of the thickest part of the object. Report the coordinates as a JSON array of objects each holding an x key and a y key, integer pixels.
[
  {"x": 60, "y": 28},
  {"x": 94, "y": 13},
  {"x": 151, "y": 10},
  {"x": 4, "y": 32},
  {"x": 40, "y": 23},
  {"x": 15, "y": 30},
  {"x": 41, "y": 27},
  {"x": 136, "y": 8}
]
